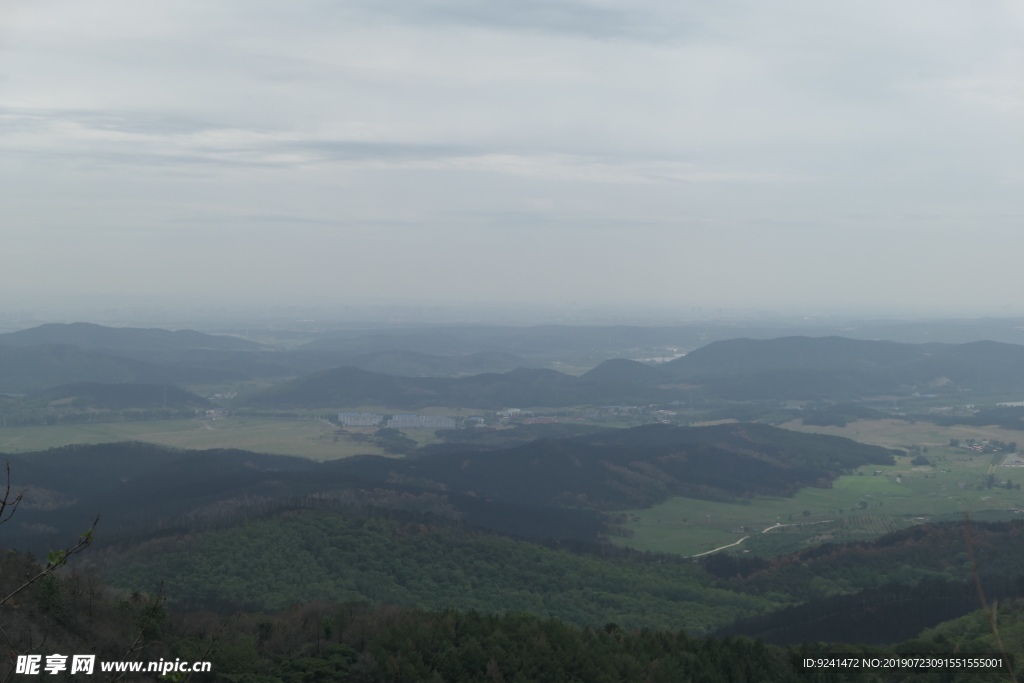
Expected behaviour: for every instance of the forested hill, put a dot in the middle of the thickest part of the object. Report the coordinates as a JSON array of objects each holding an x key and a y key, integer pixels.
[
  {"x": 31, "y": 369},
  {"x": 101, "y": 396},
  {"x": 881, "y": 592},
  {"x": 138, "y": 488},
  {"x": 328, "y": 375},
  {"x": 884, "y": 590},
  {"x": 630, "y": 468},
  {"x": 347, "y": 386},
  {"x": 123, "y": 339},
  {"x": 548, "y": 488},
  {"x": 347, "y": 558},
  {"x": 829, "y": 354},
  {"x": 829, "y": 367},
  {"x": 361, "y": 643},
  {"x": 804, "y": 367},
  {"x": 51, "y": 355}
]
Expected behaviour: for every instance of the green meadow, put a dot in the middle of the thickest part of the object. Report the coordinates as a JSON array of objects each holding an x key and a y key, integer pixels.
[{"x": 864, "y": 504}]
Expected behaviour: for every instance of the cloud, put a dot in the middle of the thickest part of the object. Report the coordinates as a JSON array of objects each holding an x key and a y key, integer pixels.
[
  {"x": 155, "y": 141},
  {"x": 737, "y": 139},
  {"x": 588, "y": 18}
]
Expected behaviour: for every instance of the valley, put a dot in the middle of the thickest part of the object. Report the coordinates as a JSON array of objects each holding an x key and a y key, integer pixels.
[
  {"x": 557, "y": 341},
  {"x": 673, "y": 496},
  {"x": 867, "y": 502}
]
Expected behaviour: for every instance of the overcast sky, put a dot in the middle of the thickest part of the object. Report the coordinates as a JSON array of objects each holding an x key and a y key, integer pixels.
[{"x": 738, "y": 153}]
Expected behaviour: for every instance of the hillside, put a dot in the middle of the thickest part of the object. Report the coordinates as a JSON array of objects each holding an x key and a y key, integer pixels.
[
  {"x": 604, "y": 341},
  {"x": 357, "y": 642},
  {"x": 525, "y": 341},
  {"x": 622, "y": 371},
  {"x": 364, "y": 643},
  {"x": 235, "y": 534},
  {"x": 973, "y": 632},
  {"x": 633, "y": 468},
  {"x": 96, "y": 620},
  {"x": 230, "y": 358},
  {"x": 350, "y": 559},
  {"x": 32, "y": 369},
  {"x": 881, "y": 591},
  {"x": 124, "y": 340},
  {"x": 800, "y": 368},
  {"x": 830, "y": 354},
  {"x": 94, "y": 395},
  {"x": 835, "y": 367},
  {"x": 548, "y": 488},
  {"x": 137, "y": 487},
  {"x": 885, "y": 592}
]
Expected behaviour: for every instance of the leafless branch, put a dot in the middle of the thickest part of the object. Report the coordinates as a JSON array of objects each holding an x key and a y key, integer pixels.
[
  {"x": 213, "y": 641},
  {"x": 8, "y": 505},
  {"x": 136, "y": 647},
  {"x": 990, "y": 612},
  {"x": 56, "y": 560}
]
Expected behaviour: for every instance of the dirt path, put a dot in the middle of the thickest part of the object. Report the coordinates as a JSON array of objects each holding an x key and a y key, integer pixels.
[
  {"x": 708, "y": 552},
  {"x": 779, "y": 526}
]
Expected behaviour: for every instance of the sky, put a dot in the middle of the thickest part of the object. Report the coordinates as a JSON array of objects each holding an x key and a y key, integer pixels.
[{"x": 732, "y": 153}]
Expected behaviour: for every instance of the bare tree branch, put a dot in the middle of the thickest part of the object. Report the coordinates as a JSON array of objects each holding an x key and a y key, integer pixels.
[
  {"x": 990, "y": 613},
  {"x": 8, "y": 505},
  {"x": 136, "y": 647},
  {"x": 56, "y": 559},
  {"x": 209, "y": 647}
]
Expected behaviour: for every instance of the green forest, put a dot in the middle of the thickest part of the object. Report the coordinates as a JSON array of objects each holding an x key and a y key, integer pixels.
[
  {"x": 274, "y": 562},
  {"x": 363, "y": 643},
  {"x": 854, "y": 592}
]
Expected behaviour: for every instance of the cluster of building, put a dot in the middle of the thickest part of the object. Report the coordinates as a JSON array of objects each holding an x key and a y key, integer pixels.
[
  {"x": 359, "y": 419},
  {"x": 623, "y": 410},
  {"x": 397, "y": 421},
  {"x": 421, "y": 422}
]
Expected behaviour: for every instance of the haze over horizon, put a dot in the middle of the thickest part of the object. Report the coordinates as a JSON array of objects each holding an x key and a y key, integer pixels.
[{"x": 851, "y": 157}]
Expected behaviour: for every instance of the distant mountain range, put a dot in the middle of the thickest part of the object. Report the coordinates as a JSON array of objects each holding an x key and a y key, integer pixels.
[
  {"x": 802, "y": 368},
  {"x": 342, "y": 373},
  {"x": 825, "y": 367},
  {"x": 591, "y": 341},
  {"x": 31, "y": 369},
  {"x": 831, "y": 368},
  {"x": 125, "y": 340},
  {"x": 51, "y": 355}
]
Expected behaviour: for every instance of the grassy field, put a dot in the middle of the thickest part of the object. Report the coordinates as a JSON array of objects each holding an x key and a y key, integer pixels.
[
  {"x": 307, "y": 438},
  {"x": 858, "y": 506}
]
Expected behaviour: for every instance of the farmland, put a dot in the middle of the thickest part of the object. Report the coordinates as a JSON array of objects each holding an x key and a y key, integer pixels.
[
  {"x": 903, "y": 433},
  {"x": 864, "y": 504},
  {"x": 309, "y": 438}
]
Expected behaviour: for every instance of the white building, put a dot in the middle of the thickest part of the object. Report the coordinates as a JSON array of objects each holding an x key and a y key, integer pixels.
[
  {"x": 421, "y": 422},
  {"x": 359, "y": 419}
]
